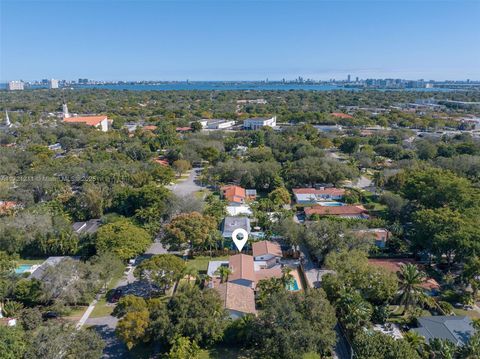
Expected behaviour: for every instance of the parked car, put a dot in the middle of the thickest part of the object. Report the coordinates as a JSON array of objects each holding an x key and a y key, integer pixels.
[
  {"x": 50, "y": 315},
  {"x": 116, "y": 295}
]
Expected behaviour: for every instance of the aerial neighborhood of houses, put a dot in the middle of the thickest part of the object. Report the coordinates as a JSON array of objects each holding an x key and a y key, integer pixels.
[{"x": 358, "y": 230}]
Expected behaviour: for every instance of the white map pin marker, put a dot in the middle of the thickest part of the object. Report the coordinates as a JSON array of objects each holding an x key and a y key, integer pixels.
[{"x": 240, "y": 242}]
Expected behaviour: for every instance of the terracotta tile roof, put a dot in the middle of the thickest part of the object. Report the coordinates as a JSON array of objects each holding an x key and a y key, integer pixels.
[
  {"x": 242, "y": 267},
  {"x": 88, "y": 120},
  {"x": 341, "y": 115},
  {"x": 380, "y": 234},
  {"x": 326, "y": 191},
  {"x": 161, "y": 162},
  {"x": 266, "y": 247},
  {"x": 234, "y": 193},
  {"x": 394, "y": 265},
  {"x": 150, "y": 127},
  {"x": 237, "y": 297},
  {"x": 267, "y": 273},
  {"x": 6, "y": 206},
  {"x": 391, "y": 264},
  {"x": 183, "y": 129},
  {"x": 335, "y": 210}
]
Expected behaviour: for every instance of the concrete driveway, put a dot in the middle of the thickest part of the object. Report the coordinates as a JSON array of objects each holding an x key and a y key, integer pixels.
[{"x": 188, "y": 186}]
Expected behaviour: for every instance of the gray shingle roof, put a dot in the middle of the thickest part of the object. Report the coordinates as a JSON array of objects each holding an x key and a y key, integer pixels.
[
  {"x": 232, "y": 223},
  {"x": 457, "y": 329}
]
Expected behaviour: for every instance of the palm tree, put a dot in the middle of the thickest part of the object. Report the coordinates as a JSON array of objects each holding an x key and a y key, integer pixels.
[
  {"x": 410, "y": 289},
  {"x": 224, "y": 272},
  {"x": 471, "y": 350},
  {"x": 287, "y": 277},
  {"x": 354, "y": 310},
  {"x": 442, "y": 348},
  {"x": 416, "y": 341}
]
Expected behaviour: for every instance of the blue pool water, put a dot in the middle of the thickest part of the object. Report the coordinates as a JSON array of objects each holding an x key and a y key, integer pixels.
[
  {"x": 22, "y": 268},
  {"x": 331, "y": 204},
  {"x": 293, "y": 286}
]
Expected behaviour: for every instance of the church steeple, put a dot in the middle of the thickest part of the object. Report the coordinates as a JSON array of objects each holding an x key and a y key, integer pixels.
[
  {"x": 7, "y": 120},
  {"x": 65, "y": 111}
]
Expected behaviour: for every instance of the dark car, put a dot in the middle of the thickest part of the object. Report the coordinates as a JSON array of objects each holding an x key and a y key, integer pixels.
[
  {"x": 116, "y": 295},
  {"x": 50, "y": 315}
]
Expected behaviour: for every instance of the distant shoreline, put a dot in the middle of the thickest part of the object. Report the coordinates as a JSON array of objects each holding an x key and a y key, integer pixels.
[{"x": 245, "y": 86}]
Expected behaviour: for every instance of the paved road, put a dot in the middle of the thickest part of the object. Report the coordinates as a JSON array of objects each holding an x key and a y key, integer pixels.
[
  {"x": 106, "y": 325},
  {"x": 188, "y": 186},
  {"x": 313, "y": 275},
  {"x": 363, "y": 183}
]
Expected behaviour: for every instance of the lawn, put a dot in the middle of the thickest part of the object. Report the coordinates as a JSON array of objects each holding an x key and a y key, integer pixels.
[
  {"x": 469, "y": 313},
  {"x": 102, "y": 309},
  {"x": 202, "y": 194},
  {"x": 221, "y": 352},
  {"x": 75, "y": 313},
  {"x": 200, "y": 263}
]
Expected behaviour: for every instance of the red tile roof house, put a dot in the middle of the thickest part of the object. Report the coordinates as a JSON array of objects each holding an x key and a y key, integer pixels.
[
  {"x": 236, "y": 195},
  {"x": 8, "y": 206},
  {"x": 394, "y": 265},
  {"x": 347, "y": 211},
  {"x": 237, "y": 299},
  {"x": 100, "y": 122},
  {"x": 313, "y": 195},
  {"x": 380, "y": 235},
  {"x": 238, "y": 293},
  {"x": 341, "y": 115},
  {"x": 266, "y": 254}
]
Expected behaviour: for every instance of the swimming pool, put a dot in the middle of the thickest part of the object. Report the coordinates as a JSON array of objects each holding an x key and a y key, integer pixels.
[
  {"x": 331, "y": 204},
  {"x": 22, "y": 268},
  {"x": 293, "y": 286}
]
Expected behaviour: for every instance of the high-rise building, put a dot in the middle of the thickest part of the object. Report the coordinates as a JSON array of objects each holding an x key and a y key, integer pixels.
[
  {"x": 53, "y": 84},
  {"x": 356, "y": 79},
  {"x": 15, "y": 85},
  {"x": 348, "y": 78}
]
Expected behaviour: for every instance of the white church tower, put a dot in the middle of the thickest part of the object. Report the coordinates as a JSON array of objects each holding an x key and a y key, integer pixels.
[
  {"x": 65, "y": 111},
  {"x": 8, "y": 124}
]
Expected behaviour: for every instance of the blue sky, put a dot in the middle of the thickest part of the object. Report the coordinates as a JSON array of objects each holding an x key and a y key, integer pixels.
[{"x": 239, "y": 40}]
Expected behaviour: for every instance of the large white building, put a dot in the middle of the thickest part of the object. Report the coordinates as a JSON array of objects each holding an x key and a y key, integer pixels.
[
  {"x": 216, "y": 124},
  {"x": 15, "y": 85},
  {"x": 53, "y": 84},
  {"x": 259, "y": 122}
]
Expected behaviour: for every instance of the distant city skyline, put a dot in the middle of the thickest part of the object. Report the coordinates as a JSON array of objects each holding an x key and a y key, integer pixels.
[{"x": 238, "y": 41}]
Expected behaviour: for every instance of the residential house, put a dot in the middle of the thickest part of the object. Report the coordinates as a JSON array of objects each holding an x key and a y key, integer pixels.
[
  {"x": 239, "y": 210},
  {"x": 266, "y": 253},
  {"x": 456, "y": 329},
  {"x": 100, "y": 122},
  {"x": 238, "y": 291},
  {"x": 309, "y": 196},
  {"x": 237, "y": 299},
  {"x": 234, "y": 195},
  {"x": 87, "y": 227},
  {"x": 259, "y": 122},
  {"x": 232, "y": 223},
  {"x": 379, "y": 235},
  {"x": 7, "y": 207},
  {"x": 341, "y": 115},
  {"x": 49, "y": 262},
  {"x": 243, "y": 270},
  {"x": 347, "y": 211},
  {"x": 394, "y": 265}
]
